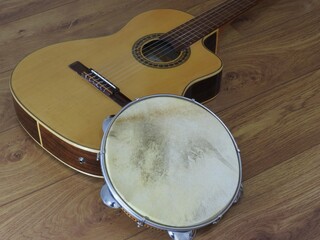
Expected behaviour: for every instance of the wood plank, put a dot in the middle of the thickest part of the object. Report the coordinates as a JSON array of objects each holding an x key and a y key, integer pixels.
[
  {"x": 273, "y": 126},
  {"x": 8, "y": 117},
  {"x": 280, "y": 203},
  {"x": 69, "y": 209},
  {"x": 25, "y": 167},
  {"x": 264, "y": 17},
  {"x": 12, "y": 10},
  {"x": 268, "y": 59}
]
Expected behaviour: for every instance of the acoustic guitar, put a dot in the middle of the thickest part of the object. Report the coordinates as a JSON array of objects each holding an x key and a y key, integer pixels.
[{"x": 62, "y": 93}]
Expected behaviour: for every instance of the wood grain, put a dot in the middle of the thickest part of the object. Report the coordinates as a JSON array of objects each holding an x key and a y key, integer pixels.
[
  {"x": 25, "y": 167},
  {"x": 264, "y": 17},
  {"x": 8, "y": 117},
  {"x": 279, "y": 48},
  {"x": 12, "y": 10},
  {"x": 75, "y": 211},
  {"x": 76, "y": 158},
  {"x": 27, "y": 122},
  {"x": 270, "y": 101},
  {"x": 271, "y": 127}
]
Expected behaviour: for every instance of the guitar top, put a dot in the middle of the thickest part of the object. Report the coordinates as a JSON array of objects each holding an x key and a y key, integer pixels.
[{"x": 62, "y": 93}]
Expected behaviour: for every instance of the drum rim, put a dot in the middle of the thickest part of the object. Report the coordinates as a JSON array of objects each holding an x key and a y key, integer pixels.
[{"x": 141, "y": 219}]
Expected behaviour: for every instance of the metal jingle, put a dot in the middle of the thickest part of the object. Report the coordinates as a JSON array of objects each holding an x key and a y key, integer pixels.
[
  {"x": 107, "y": 197},
  {"x": 106, "y": 122},
  {"x": 239, "y": 194},
  {"x": 189, "y": 235}
]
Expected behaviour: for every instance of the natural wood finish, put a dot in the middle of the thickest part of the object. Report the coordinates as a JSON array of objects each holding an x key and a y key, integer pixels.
[
  {"x": 76, "y": 158},
  {"x": 273, "y": 45},
  {"x": 283, "y": 110},
  {"x": 8, "y": 117},
  {"x": 269, "y": 99},
  {"x": 27, "y": 122}
]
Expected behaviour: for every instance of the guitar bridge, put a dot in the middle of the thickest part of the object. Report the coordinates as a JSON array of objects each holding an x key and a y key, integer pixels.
[{"x": 100, "y": 82}]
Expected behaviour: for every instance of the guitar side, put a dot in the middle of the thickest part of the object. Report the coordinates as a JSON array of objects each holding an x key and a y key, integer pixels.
[{"x": 69, "y": 126}]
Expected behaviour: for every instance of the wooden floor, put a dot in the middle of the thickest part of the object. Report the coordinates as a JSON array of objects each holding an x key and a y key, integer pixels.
[{"x": 270, "y": 100}]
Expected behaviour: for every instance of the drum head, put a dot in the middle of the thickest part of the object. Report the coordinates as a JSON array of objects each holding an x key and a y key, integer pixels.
[{"x": 171, "y": 161}]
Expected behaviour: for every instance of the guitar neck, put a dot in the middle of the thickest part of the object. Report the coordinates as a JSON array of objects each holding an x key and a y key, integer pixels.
[{"x": 193, "y": 30}]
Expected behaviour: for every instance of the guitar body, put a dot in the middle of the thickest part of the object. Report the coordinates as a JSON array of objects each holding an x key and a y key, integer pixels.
[{"x": 63, "y": 113}]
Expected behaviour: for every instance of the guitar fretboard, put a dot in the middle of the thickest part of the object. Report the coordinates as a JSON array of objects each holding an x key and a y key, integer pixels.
[{"x": 193, "y": 30}]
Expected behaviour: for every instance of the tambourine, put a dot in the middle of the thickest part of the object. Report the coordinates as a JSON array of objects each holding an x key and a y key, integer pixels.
[{"x": 170, "y": 164}]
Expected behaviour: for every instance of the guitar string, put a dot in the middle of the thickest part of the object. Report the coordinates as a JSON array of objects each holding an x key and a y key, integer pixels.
[
  {"x": 189, "y": 36},
  {"x": 124, "y": 72},
  {"x": 190, "y": 30},
  {"x": 163, "y": 50},
  {"x": 210, "y": 27},
  {"x": 195, "y": 30},
  {"x": 201, "y": 17},
  {"x": 133, "y": 70}
]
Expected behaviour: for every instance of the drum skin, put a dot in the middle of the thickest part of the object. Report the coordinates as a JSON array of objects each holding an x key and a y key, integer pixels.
[{"x": 171, "y": 161}]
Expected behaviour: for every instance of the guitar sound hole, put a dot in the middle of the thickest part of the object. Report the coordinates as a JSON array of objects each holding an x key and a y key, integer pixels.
[
  {"x": 159, "y": 51},
  {"x": 154, "y": 52}
]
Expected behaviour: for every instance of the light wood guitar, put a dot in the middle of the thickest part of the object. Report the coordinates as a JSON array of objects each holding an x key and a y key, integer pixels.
[{"x": 159, "y": 51}]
